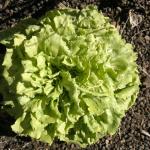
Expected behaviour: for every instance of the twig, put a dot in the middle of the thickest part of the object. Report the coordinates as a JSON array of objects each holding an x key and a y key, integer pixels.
[
  {"x": 145, "y": 133},
  {"x": 6, "y": 4},
  {"x": 124, "y": 25},
  {"x": 4, "y": 142},
  {"x": 139, "y": 33},
  {"x": 143, "y": 70},
  {"x": 61, "y": 5},
  {"x": 119, "y": 133},
  {"x": 25, "y": 145}
]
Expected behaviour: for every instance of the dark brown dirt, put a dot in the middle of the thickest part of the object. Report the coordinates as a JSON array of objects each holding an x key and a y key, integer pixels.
[{"x": 134, "y": 132}]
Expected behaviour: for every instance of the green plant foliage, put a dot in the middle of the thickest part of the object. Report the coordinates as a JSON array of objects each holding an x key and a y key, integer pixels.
[{"x": 69, "y": 76}]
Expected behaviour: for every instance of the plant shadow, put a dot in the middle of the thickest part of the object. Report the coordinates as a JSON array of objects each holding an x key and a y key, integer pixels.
[
  {"x": 5, "y": 124},
  {"x": 6, "y": 120}
]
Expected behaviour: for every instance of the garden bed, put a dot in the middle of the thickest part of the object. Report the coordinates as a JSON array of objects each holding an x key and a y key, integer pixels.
[{"x": 132, "y": 19}]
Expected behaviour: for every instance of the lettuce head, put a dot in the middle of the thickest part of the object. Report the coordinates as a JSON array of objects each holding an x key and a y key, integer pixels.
[{"x": 68, "y": 75}]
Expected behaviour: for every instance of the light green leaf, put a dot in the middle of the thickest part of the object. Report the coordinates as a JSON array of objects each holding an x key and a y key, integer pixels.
[{"x": 68, "y": 75}]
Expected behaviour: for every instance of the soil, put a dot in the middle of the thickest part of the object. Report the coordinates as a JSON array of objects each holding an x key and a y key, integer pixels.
[{"x": 132, "y": 18}]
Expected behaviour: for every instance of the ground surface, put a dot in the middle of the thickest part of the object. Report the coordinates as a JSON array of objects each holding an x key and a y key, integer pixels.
[{"x": 132, "y": 18}]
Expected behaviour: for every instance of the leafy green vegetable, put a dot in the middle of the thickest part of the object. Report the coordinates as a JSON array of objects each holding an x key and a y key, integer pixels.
[{"x": 68, "y": 76}]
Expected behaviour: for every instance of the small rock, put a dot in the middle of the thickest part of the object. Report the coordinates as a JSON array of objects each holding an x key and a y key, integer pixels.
[
  {"x": 147, "y": 82},
  {"x": 119, "y": 9},
  {"x": 1, "y": 6},
  {"x": 147, "y": 39}
]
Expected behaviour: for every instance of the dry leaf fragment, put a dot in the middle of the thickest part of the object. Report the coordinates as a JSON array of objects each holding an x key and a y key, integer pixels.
[{"x": 134, "y": 18}]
